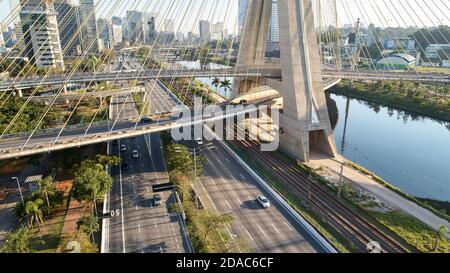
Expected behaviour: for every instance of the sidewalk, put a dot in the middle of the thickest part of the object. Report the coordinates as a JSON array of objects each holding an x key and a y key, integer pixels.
[{"x": 383, "y": 194}]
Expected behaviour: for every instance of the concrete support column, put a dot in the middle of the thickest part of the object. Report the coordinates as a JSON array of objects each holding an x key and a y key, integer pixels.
[
  {"x": 305, "y": 118},
  {"x": 253, "y": 43}
]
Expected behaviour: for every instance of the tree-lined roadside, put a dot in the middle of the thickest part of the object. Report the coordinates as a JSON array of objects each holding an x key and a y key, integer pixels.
[{"x": 206, "y": 229}]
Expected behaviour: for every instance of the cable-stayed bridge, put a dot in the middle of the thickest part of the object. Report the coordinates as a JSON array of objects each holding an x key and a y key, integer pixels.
[
  {"x": 313, "y": 57},
  {"x": 264, "y": 72}
]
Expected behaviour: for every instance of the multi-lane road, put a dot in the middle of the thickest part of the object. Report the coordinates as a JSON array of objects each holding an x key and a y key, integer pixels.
[
  {"x": 231, "y": 189},
  {"x": 136, "y": 225}
]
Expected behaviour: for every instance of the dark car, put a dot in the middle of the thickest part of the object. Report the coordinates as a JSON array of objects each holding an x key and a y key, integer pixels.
[
  {"x": 125, "y": 166},
  {"x": 146, "y": 120}
]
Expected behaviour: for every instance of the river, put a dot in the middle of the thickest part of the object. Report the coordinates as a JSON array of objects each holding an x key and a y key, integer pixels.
[{"x": 409, "y": 151}]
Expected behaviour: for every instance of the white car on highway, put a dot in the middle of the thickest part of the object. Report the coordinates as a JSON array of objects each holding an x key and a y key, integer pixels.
[
  {"x": 199, "y": 141},
  {"x": 123, "y": 148},
  {"x": 264, "y": 202}
]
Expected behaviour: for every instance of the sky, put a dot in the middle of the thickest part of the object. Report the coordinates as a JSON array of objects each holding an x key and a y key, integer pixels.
[{"x": 187, "y": 13}]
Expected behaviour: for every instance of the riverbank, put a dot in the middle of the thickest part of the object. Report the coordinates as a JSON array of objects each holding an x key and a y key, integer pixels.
[{"x": 403, "y": 96}]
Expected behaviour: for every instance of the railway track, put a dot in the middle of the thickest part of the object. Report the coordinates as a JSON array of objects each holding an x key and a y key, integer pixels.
[{"x": 360, "y": 231}]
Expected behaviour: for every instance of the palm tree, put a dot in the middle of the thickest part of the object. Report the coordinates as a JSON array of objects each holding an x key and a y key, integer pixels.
[
  {"x": 34, "y": 212},
  {"x": 441, "y": 235},
  {"x": 46, "y": 187},
  {"x": 226, "y": 85},
  {"x": 216, "y": 82}
]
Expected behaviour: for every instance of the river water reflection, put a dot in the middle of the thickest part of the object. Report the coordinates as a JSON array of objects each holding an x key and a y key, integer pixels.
[{"x": 409, "y": 151}]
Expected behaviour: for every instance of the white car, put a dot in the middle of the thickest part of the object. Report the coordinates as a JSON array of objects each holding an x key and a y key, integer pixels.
[
  {"x": 123, "y": 148},
  {"x": 264, "y": 202},
  {"x": 135, "y": 154},
  {"x": 199, "y": 141}
]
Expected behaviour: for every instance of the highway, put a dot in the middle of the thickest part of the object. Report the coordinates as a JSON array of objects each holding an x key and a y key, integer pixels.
[
  {"x": 232, "y": 189},
  {"x": 272, "y": 71},
  {"x": 136, "y": 225}
]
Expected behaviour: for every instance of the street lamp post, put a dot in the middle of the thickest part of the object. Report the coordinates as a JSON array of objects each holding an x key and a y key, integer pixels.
[
  {"x": 195, "y": 151},
  {"x": 20, "y": 189}
]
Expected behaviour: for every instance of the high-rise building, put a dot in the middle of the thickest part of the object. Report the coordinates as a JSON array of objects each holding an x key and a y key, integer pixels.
[
  {"x": 217, "y": 31},
  {"x": 40, "y": 34},
  {"x": 179, "y": 37},
  {"x": 88, "y": 24},
  {"x": 117, "y": 36},
  {"x": 191, "y": 38},
  {"x": 69, "y": 23},
  {"x": 105, "y": 33},
  {"x": 169, "y": 25},
  {"x": 151, "y": 30},
  {"x": 205, "y": 31},
  {"x": 116, "y": 20},
  {"x": 135, "y": 27}
]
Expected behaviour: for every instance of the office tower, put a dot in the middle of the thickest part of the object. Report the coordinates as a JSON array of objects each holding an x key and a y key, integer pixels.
[
  {"x": 117, "y": 36},
  {"x": 179, "y": 37},
  {"x": 105, "y": 33},
  {"x": 151, "y": 30},
  {"x": 89, "y": 32},
  {"x": 40, "y": 34},
  {"x": 135, "y": 27},
  {"x": 205, "y": 31},
  {"x": 217, "y": 31},
  {"x": 69, "y": 23},
  {"x": 116, "y": 20}
]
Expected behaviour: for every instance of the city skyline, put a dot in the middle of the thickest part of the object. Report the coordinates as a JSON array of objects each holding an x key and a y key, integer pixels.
[{"x": 418, "y": 13}]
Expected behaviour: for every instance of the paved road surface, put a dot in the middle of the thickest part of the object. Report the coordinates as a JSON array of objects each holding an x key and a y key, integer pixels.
[
  {"x": 136, "y": 225},
  {"x": 231, "y": 189}
]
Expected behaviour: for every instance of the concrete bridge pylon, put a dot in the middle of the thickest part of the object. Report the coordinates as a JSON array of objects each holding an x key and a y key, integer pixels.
[{"x": 304, "y": 123}]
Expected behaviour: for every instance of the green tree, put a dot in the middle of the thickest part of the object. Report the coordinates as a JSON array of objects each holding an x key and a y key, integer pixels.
[
  {"x": 441, "y": 235},
  {"x": 34, "y": 212},
  {"x": 46, "y": 188},
  {"x": 108, "y": 160},
  {"x": 216, "y": 83},
  {"x": 212, "y": 222},
  {"x": 17, "y": 242},
  {"x": 226, "y": 85},
  {"x": 91, "y": 182},
  {"x": 88, "y": 225}
]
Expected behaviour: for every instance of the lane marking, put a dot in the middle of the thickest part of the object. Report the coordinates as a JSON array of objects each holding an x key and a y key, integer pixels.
[
  {"x": 234, "y": 179},
  {"x": 248, "y": 233},
  {"x": 228, "y": 203},
  {"x": 275, "y": 228},
  {"x": 243, "y": 177},
  {"x": 121, "y": 207},
  {"x": 288, "y": 226},
  {"x": 262, "y": 231}
]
